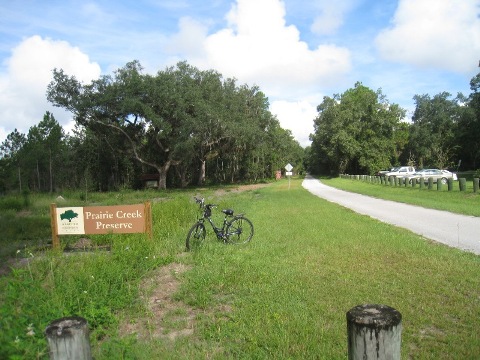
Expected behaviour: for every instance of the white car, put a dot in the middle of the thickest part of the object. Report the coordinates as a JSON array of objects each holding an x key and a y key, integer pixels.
[
  {"x": 401, "y": 171},
  {"x": 436, "y": 174}
]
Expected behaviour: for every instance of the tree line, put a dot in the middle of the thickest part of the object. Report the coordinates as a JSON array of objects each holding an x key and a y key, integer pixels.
[
  {"x": 361, "y": 132},
  {"x": 181, "y": 126}
]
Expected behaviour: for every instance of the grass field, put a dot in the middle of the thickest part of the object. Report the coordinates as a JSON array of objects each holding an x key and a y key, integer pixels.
[{"x": 283, "y": 296}]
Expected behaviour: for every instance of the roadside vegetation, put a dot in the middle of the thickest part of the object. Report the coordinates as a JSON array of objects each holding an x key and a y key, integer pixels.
[
  {"x": 284, "y": 295},
  {"x": 361, "y": 132}
]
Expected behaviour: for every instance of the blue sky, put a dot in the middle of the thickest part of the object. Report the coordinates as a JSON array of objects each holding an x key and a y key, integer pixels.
[{"x": 296, "y": 51}]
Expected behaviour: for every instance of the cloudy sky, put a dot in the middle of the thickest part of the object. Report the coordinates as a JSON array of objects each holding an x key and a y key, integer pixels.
[{"x": 296, "y": 51}]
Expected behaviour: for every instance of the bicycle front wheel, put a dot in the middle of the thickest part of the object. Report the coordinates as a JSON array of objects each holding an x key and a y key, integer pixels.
[
  {"x": 196, "y": 236},
  {"x": 239, "y": 231}
]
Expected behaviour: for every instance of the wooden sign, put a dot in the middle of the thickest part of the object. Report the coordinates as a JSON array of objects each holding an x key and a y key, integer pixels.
[{"x": 121, "y": 219}]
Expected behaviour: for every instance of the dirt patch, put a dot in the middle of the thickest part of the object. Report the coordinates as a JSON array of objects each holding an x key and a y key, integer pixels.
[
  {"x": 82, "y": 243},
  {"x": 6, "y": 267},
  {"x": 240, "y": 189},
  {"x": 166, "y": 317}
]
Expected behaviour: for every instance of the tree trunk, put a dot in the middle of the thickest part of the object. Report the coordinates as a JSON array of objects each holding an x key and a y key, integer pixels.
[
  {"x": 51, "y": 176},
  {"x": 38, "y": 177},
  {"x": 162, "y": 175},
  {"x": 19, "y": 179},
  {"x": 201, "y": 176},
  {"x": 182, "y": 175}
]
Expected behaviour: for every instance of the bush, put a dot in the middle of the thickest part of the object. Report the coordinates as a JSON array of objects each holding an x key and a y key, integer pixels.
[{"x": 11, "y": 203}]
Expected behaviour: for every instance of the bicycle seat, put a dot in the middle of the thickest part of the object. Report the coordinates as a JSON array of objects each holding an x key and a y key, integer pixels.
[{"x": 228, "y": 212}]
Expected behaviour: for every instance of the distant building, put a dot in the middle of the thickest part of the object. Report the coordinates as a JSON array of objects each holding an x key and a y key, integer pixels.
[{"x": 149, "y": 181}]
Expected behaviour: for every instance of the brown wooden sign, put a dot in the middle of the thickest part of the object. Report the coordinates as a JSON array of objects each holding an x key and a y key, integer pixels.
[
  {"x": 121, "y": 219},
  {"x": 114, "y": 219}
]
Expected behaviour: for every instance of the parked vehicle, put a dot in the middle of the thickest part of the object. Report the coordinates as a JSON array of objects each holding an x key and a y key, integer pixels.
[
  {"x": 417, "y": 175},
  {"x": 401, "y": 171},
  {"x": 383, "y": 172},
  {"x": 435, "y": 174}
]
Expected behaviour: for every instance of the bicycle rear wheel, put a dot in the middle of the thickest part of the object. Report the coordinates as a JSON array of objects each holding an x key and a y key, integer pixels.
[
  {"x": 196, "y": 236},
  {"x": 239, "y": 231}
]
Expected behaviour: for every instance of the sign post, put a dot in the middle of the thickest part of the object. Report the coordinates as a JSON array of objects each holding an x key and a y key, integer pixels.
[
  {"x": 289, "y": 169},
  {"x": 122, "y": 219}
]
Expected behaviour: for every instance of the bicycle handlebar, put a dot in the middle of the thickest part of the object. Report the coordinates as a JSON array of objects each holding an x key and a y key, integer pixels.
[{"x": 202, "y": 203}]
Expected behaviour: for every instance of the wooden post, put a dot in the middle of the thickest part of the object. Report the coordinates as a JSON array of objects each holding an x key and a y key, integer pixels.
[
  {"x": 430, "y": 183},
  {"x": 475, "y": 184},
  {"x": 422, "y": 182},
  {"x": 148, "y": 219},
  {"x": 450, "y": 184},
  {"x": 439, "y": 184},
  {"x": 462, "y": 182},
  {"x": 53, "y": 224},
  {"x": 374, "y": 332},
  {"x": 68, "y": 339}
]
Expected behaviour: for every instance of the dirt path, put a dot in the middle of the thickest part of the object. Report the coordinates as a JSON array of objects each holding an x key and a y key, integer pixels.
[{"x": 157, "y": 295}]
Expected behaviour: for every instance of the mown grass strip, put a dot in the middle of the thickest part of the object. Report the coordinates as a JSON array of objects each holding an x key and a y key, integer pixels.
[
  {"x": 309, "y": 263},
  {"x": 467, "y": 203}
]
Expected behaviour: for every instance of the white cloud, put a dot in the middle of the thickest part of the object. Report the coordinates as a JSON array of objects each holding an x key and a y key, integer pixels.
[
  {"x": 24, "y": 80},
  {"x": 331, "y": 16},
  {"x": 431, "y": 33},
  {"x": 189, "y": 39},
  {"x": 296, "y": 116},
  {"x": 257, "y": 47}
]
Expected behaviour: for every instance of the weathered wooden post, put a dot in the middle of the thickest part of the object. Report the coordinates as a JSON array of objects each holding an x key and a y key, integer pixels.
[
  {"x": 422, "y": 182},
  {"x": 53, "y": 225},
  {"x": 374, "y": 332},
  {"x": 450, "y": 184},
  {"x": 475, "y": 184},
  {"x": 430, "y": 183},
  {"x": 439, "y": 184},
  {"x": 68, "y": 339},
  {"x": 462, "y": 182}
]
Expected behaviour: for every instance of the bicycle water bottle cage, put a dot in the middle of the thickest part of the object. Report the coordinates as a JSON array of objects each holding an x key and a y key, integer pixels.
[{"x": 228, "y": 212}]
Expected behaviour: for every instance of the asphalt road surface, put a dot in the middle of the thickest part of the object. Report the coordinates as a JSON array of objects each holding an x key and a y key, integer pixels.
[{"x": 459, "y": 231}]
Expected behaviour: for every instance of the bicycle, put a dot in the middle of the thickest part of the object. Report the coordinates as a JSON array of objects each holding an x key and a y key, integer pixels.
[{"x": 236, "y": 229}]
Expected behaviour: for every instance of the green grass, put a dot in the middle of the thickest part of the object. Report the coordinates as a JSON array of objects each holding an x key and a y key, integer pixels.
[
  {"x": 465, "y": 202},
  {"x": 284, "y": 295}
]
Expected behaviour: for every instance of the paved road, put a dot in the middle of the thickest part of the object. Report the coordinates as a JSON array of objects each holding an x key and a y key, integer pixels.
[{"x": 454, "y": 230}]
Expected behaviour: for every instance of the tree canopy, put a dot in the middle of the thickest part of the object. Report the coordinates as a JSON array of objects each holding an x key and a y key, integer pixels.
[
  {"x": 183, "y": 124},
  {"x": 360, "y": 132},
  {"x": 355, "y": 132}
]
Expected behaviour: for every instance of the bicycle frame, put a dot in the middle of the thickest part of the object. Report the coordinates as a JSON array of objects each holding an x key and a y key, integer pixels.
[
  {"x": 206, "y": 215},
  {"x": 236, "y": 229}
]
